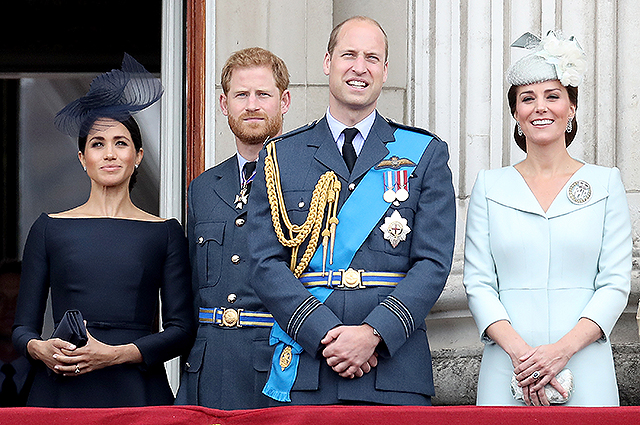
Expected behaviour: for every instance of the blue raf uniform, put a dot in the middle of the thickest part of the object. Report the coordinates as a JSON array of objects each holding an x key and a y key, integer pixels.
[
  {"x": 404, "y": 373},
  {"x": 228, "y": 364}
]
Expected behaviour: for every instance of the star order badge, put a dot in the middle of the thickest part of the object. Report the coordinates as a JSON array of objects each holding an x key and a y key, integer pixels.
[
  {"x": 579, "y": 192},
  {"x": 395, "y": 228}
]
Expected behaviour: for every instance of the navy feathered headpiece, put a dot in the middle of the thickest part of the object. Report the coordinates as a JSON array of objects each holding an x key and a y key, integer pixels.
[{"x": 116, "y": 94}]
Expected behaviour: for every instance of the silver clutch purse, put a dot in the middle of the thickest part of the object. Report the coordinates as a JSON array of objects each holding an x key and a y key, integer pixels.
[{"x": 565, "y": 378}]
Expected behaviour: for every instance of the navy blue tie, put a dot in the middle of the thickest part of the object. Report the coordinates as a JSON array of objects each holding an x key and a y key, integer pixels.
[
  {"x": 348, "y": 151},
  {"x": 247, "y": 171}
]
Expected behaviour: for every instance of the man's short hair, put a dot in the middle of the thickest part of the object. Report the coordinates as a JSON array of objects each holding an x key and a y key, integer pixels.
[
  {"x": 253, "y": 57},
  {"x": 333, "y": 38}
]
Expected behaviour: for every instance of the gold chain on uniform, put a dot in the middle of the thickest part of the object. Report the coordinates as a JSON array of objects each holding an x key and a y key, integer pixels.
[{"x": 325, "y": 197}]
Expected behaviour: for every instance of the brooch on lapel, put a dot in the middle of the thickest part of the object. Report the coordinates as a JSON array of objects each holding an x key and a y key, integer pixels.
[
  {"x": 579, "y": 192},
  {"x": 395, "y": 229}
]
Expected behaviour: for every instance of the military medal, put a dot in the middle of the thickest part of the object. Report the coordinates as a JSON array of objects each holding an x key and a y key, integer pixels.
[
  {"x": 396, "y": 181},
  {"x": 243, "y": 197},
  {"x": 396, "y": 186},
  {"x": 389, "y": 193},
  {"x": 579, "y": 192},
  {"x": 402, "y": 182},
  {"x": 395, "y": 228}
]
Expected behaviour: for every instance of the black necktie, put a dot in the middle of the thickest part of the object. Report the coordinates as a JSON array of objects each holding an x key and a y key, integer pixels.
[
  {"x": 247, "y": 171},
  {"x": 9, "y": 392},
  {"x": 348, "y": 152}
]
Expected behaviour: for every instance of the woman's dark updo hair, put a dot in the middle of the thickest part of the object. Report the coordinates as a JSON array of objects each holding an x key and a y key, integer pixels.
[
  {"x": 136, "y": 137},
  {"x": 521, "y": 141}
]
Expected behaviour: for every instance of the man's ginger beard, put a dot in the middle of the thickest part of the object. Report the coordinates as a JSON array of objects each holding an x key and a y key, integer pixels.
[{"x": 254, "y": 133}]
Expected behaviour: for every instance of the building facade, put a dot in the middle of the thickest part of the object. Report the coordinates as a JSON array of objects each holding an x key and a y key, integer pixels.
[{"x": 447, "y": 64}]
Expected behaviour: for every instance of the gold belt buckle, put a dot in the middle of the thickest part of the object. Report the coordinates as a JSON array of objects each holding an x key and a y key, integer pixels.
[
  {"x": 231, "y": 317},
  {"x": 351, "y": 279}
]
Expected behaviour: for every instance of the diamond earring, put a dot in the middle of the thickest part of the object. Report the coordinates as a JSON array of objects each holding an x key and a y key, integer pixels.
[
  {"x": 520, "y": 133},
  {"x": 570, "y": 125}
]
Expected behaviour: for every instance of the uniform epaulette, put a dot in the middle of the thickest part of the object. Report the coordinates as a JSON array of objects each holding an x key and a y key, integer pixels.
[
  {"x": 293, "y": 132},
  {"x": 410, "y": 128}
]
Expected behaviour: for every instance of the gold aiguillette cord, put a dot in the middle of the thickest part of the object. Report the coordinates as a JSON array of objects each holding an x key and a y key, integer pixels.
[
  {"x": 325, "y": 197},
  {"x": 330, "y": 230}
]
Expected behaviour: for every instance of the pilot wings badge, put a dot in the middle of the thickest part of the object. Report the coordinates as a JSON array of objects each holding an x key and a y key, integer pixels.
[{"x": 395, "y": 163}]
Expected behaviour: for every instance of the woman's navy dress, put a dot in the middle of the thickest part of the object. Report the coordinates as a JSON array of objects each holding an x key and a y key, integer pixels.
[{"x": 112, "y": 271}]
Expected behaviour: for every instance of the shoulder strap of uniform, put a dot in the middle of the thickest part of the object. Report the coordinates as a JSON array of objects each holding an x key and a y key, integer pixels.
[
  {"x": 410, "y": 128},
  {"x": 293, "y": 132}
]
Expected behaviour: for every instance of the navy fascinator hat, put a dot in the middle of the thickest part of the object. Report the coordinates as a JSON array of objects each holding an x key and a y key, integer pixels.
[{"x": 116, "y": 94}]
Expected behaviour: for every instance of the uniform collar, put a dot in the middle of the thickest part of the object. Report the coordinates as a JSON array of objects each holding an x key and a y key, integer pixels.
[
  {"x": 372, "y": 152},
  {"x": 241, "y": 161},
  {"x": 364, "y": 127}
]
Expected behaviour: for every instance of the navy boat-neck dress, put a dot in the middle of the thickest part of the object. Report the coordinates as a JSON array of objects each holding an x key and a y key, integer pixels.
[{"x": 112, "y": 270}]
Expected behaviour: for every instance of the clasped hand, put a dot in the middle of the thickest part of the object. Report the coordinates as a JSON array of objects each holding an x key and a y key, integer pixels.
[
  {"x": 350, "y": 350},
  {"x": 66, "y": 359},
  {"x": 548, "y": 361}
]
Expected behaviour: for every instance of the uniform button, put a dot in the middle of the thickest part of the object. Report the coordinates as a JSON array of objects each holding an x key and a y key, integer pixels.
[
  {"x": 235, "y": 258},
  {"x": 301, "y": 204},
  {"x": 352, "y": 187},
  {"x": 232, "y": 298},
  {"x": 188, "y": 365},
  {"x": 240, "y": 222},
  {"x": 201, "y": 240}
]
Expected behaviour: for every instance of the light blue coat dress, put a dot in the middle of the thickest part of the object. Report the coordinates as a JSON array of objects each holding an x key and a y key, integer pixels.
[{"x": 544, "y": 271}]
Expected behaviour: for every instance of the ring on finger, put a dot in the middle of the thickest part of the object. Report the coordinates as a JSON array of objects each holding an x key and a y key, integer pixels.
[
  {"x": 77, "y": 371},
  {"x": 535, "y": 375}
]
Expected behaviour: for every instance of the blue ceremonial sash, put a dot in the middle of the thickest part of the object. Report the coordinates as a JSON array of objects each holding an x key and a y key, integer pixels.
[
  {"x": 280, "y": 382},
  {"x": 360, "y": 222}
]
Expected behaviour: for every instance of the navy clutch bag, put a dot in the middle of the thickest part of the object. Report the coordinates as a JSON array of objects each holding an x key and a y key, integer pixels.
[{"x": 72, "y": 329}]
